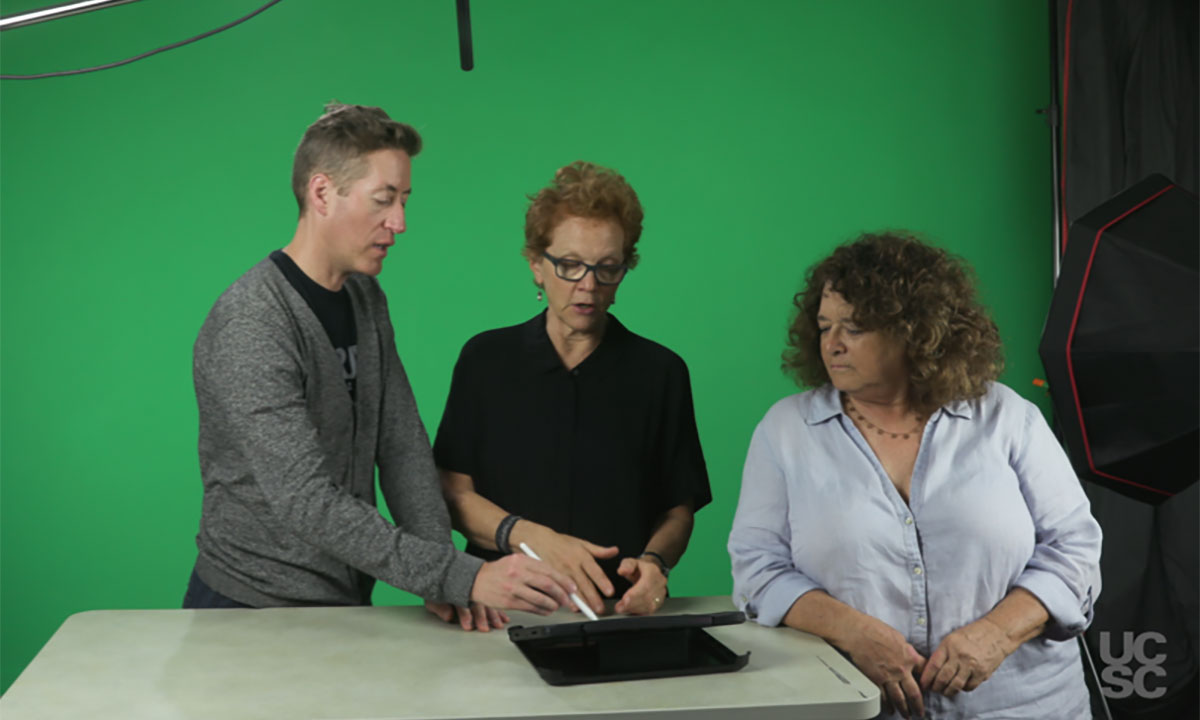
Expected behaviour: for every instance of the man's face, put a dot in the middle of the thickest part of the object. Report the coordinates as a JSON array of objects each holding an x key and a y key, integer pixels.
[{"x": 364, "y": 219}]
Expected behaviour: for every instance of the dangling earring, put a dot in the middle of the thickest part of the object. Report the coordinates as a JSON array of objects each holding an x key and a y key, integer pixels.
[{"x": 539, "y": 297}]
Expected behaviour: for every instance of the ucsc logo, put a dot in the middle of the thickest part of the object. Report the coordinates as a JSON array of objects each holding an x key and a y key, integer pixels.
[{"x": 1121, "y": 678}]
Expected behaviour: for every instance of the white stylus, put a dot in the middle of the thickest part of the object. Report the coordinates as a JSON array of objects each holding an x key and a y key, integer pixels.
[{"x": 579, "y": 603}]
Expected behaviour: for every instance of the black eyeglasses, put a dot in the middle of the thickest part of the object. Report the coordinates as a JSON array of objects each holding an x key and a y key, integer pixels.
[{"x": 574, "y": 270}]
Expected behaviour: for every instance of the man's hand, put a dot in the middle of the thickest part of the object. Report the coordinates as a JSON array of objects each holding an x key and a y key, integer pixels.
[
  {"x": 570, "y": 555},
  {"x": 889, "y": 661},
  {"x": 517, "y": 582},
  {"x": 649, "y": 587},
  {"x": 965, "y": 658},
  {"x": 478, "y": 617}
]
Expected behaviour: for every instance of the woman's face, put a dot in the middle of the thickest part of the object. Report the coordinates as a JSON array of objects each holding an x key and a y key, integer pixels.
[
  {"x": 580, "y": 306},
  {"x": 858, "y": 362}
]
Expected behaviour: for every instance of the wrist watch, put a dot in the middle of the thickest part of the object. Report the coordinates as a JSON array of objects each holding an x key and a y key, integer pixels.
[{"x": 658, "y": 560}]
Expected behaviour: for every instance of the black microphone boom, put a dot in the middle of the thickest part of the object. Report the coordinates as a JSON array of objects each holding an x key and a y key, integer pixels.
[{"x": 466, "y": 53}]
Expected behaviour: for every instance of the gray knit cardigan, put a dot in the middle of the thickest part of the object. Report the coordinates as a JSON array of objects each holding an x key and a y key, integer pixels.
[{"x": 288, "y": 459}]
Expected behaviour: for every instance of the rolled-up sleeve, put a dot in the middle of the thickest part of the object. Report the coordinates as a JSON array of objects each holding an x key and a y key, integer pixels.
[
  {"x": 766, "y": 582},
  {"x": 1064, "y": 571}
]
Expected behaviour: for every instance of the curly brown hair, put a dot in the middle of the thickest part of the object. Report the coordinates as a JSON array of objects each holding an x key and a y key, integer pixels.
[
  {"x": 917, "y": 294},
  {"x": 337, "y": 141},
  {"x": 583, "y": 189}
]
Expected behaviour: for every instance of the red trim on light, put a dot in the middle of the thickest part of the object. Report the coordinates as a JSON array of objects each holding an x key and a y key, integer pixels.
[
  {"x": 1135, "y": 484},
  {"x": 1062, "y": 170},
  {"x": 1087, "y": 448}
]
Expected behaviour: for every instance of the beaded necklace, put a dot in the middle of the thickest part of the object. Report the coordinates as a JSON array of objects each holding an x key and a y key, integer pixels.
[{"x": 855, "y": 413}]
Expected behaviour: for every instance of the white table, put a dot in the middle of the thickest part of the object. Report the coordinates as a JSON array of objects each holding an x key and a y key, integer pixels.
[{"x": 397, "y": 662}]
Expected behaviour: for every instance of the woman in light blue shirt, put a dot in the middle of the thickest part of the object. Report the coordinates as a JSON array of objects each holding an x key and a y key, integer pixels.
[{"x": 911, "y": 510}]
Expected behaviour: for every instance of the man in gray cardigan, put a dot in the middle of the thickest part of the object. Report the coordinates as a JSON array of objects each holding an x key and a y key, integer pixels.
[{"x": 302, "y": 395}]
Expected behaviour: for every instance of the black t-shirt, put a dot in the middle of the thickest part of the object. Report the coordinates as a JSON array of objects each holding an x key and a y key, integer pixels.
[
  {"x": 599, "y": 452},
  {"x": 335, "y": 310}
]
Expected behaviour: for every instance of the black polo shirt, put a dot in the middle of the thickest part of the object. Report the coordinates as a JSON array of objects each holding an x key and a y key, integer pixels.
[{"x": 599, "y": 452}]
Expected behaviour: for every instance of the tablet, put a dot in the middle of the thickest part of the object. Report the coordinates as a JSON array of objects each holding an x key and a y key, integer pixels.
[{"x": 628, "y": 648}]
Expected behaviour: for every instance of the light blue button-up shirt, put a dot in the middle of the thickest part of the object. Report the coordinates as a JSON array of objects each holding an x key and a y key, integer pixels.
[{"x": 994, "y": 504}]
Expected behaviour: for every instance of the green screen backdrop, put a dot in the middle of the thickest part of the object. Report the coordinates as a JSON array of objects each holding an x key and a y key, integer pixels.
[{"x": 758, "y": 134}]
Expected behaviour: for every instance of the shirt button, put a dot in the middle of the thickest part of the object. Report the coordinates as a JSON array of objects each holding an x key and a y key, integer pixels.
[
  {"x": 917, "y": 570},
  {"x": 908, "y": 520},
  {"x": 921, "y": 622}
]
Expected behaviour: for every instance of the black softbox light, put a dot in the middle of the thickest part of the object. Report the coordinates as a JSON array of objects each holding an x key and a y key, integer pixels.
[{"x": 1121, "y": 338}]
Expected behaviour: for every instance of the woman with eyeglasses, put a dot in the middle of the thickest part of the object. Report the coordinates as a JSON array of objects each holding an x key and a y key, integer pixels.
[{"x": 568, "y": 433}]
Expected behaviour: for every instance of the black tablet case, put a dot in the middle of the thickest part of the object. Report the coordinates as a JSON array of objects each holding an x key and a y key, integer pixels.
[{"x": 631, "y": 648}]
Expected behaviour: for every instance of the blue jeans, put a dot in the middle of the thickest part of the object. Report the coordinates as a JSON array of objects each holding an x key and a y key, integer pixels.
[{"x": 200, "y": 596}]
